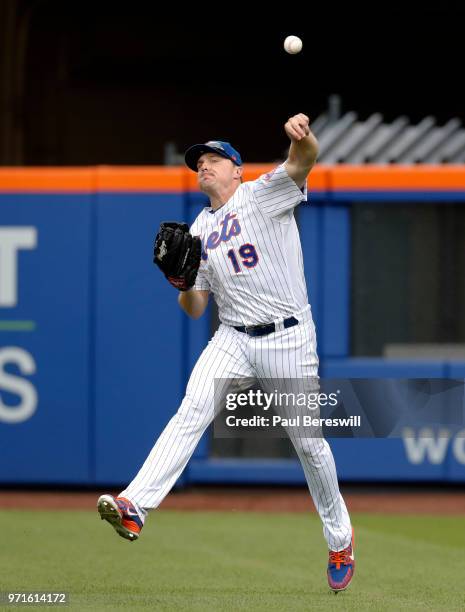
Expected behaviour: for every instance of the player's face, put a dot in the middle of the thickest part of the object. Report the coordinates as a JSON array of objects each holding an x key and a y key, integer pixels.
[{"x": 215, "y": 172}]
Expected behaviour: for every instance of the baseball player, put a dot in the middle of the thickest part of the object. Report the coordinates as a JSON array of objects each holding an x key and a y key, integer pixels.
[{"x": 245, "y": 250}]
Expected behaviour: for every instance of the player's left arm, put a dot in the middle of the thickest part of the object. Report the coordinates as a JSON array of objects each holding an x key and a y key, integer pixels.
[{"x": 303, "y": 150}]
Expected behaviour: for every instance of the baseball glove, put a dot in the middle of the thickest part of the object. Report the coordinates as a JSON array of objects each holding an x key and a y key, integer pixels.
[{"x": 177, "y": 254}]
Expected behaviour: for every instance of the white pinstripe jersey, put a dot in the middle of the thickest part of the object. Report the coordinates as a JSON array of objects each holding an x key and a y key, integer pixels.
[{"x": 251, "y": 254}]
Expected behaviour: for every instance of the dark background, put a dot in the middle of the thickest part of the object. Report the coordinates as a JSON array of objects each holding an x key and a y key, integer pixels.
[{"x": 106, "y": 82}]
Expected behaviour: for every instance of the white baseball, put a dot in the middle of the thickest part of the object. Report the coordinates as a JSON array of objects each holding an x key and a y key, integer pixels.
[{"x": 293, "y": 44}]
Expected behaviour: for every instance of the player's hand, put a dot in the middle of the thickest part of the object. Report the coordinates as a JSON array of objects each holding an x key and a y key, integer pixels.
[{"x": 297, "y": 127}]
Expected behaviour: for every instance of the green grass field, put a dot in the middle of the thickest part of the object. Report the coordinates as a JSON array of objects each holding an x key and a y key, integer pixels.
[{"x": 233, "y": 561}]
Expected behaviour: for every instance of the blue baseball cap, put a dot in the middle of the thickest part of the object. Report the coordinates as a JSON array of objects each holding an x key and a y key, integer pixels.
[{"x": 212, "y": 146}]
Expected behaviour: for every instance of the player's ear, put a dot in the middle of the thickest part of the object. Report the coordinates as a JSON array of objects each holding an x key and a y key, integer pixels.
[{"x": 238, "y": 172}]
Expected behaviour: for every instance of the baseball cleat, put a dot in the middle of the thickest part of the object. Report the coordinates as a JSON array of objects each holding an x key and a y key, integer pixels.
[
  {"x": 341, "y": 567},
  {"x": 121, "y": 514}
]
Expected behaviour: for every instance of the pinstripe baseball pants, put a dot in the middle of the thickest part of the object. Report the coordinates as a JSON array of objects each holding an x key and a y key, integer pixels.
[{"x": 230, "y": 354}]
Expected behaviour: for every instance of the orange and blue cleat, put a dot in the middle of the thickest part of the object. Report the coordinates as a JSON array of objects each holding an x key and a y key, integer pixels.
[
  {"x": 121, "y": 514},
  {"x": 341, "y": 567}
]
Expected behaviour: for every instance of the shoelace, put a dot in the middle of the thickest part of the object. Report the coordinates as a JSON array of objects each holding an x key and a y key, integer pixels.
[{"x": 342, "y": 556}]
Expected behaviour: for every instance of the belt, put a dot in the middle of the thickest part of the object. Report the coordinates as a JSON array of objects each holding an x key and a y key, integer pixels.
[{"x": 265, "y": 328}]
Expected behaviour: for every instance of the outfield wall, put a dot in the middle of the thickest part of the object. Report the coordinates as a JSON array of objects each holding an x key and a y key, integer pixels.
[{"x": 95, "y": 353}]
